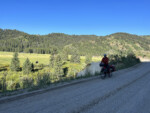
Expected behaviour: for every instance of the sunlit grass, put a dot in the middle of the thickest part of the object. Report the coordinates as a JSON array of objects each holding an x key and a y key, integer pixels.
[{"x": 5, "y": 58}]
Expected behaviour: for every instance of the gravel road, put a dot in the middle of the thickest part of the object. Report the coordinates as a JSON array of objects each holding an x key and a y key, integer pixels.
[{"x": 127, "y": 91}]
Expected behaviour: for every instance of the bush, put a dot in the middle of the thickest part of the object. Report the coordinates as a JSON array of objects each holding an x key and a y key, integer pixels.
[
  {"x": 12, "y": 85},
  {"x": 43, "y": 79},
  {"x": 27, "y": 82},
  {"x": 0, "y": 85},
  {"x": 17, "y": 85},
  {"x": 124, "y": 61}
]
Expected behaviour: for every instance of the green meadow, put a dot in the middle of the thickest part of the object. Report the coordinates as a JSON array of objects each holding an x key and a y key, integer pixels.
[{"x": 5, "y": 58}]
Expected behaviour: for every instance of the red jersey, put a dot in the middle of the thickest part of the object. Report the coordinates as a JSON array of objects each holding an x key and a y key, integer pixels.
[{"x": 105, "y": 60}]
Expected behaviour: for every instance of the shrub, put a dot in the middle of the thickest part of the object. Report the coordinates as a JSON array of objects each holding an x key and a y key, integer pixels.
[
  {"x": 43, "y": 79},
  {"x": 27, "y": 82},
  {"x": 0, "y": 85}
]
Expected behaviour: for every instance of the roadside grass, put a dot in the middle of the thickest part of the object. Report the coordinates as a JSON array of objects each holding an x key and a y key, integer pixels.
[
  {"x": 42, "y": 78},
  {"x": 36, "y": 79}
]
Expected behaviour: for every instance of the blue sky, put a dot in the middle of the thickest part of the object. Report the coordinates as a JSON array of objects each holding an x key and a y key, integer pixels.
[{"x": 98, "y": 17}]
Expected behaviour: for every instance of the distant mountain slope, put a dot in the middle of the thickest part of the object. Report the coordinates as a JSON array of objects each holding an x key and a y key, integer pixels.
[
  {"x": 13, "y": 40},
  {"x": 7, "y": 34}
]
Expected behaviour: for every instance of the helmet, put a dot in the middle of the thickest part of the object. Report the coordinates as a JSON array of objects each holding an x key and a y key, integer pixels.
[{"x": 105, "y": 55}]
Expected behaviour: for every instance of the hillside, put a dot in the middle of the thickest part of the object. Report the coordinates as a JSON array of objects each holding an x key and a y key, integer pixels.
[{"x": 13, "y": 40}]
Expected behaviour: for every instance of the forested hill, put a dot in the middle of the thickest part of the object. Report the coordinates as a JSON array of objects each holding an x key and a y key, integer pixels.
[{"x": 13, "y": 40}]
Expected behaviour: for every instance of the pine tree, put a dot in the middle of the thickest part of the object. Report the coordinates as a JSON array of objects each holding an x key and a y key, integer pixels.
[
  {"x": 52, "y": 57},
  {"x": 52, "y": 60},
  {"x": 75, "y": 58},
  {"x": 65, "y": 53},
  {"x": 27, "y": 67},
  {"x": 64, "y": 56},
  {"x": 58, "y": 66},
  {"x": 15, "y": 63}
]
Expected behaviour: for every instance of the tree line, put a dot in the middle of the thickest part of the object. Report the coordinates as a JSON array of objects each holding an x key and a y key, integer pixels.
[{"x": 16, "y": 41}]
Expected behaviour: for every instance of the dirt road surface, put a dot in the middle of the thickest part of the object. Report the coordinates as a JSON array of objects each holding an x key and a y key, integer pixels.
[{"x": 128, "y": 91}]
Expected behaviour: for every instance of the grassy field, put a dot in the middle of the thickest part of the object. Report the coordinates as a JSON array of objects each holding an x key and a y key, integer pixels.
[{"x": 5, "y": 58}]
